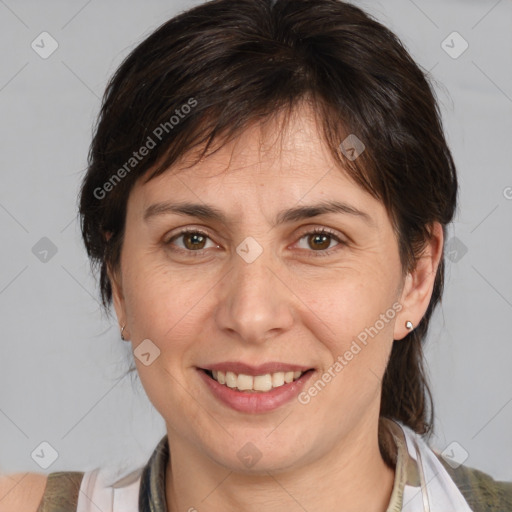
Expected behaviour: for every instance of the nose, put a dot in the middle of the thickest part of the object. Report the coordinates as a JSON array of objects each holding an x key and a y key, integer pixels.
[{"x": 255, "y": 303}]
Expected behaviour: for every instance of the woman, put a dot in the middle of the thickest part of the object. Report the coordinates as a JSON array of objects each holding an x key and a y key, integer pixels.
[{"x": 266, "y": 200}]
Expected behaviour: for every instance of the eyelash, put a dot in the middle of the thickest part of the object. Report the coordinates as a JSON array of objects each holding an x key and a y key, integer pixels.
[{"x": 315, "y": 231}]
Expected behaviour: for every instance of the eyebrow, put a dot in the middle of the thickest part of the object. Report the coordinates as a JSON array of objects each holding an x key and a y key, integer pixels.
[{"x": 211, "y": 213}]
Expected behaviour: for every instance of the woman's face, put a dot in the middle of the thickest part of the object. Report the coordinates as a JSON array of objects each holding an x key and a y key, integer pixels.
[{"x": 254, "y": 291}]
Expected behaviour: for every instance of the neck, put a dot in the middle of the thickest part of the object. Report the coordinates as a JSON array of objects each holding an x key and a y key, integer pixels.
[{"x": 352, "y": 476}]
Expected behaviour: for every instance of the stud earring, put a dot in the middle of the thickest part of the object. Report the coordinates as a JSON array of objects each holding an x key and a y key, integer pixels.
[{"x": 409, "y": 325}]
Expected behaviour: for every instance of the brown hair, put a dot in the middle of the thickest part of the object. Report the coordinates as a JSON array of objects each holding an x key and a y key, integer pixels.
[{"x": 206, "y": 74}]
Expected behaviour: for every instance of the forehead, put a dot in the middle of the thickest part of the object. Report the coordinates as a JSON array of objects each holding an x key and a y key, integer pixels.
[
  {"x": 283, "y": 160},
  {"x": 280, "y": 141},
  {"x": 284, "y": 144}
]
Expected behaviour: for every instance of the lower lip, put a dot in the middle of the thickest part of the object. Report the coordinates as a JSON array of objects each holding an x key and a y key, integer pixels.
[{"x": 256, "y": 402}]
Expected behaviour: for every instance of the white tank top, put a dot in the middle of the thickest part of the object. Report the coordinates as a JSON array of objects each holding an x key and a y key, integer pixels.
[{"x": 102, "y": 489}]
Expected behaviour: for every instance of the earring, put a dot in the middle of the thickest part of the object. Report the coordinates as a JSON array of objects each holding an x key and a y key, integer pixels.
[
  {"x": 122, "y": 329},
  {"x": 409, "y": 325}
]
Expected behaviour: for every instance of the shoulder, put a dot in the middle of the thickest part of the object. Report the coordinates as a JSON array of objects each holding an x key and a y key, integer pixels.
[
  {"x": 34, "y": 492},
  {"x": 482, "y": 492},
  {"x": 21, "y": 491}
]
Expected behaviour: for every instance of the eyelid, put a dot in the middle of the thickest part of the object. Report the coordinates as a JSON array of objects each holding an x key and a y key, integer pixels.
[
  {"x": 185, "y": 231},
  {"x": 324, "y": 231}
]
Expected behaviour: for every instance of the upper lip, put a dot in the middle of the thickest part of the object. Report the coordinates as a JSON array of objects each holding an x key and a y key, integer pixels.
[{"x": 262, "y": 369}]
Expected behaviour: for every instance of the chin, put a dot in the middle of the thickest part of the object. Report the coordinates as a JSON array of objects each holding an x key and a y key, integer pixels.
[{"x": 261, "y": 453}]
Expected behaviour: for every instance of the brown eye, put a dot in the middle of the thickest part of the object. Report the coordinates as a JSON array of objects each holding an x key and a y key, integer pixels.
[
  {"x": 191, "y": 241},
  {"x": 194, "y": 241},
  {"x": 319, "y": 242}
]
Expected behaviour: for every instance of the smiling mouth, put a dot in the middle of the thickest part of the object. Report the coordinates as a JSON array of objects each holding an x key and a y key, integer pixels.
[{"x": 256, "y": 383}]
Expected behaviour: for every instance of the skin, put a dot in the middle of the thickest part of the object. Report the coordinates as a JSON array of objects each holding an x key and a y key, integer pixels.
[
  {"x": 290, "y": 305},
  {"x": 21, "y": 491}
]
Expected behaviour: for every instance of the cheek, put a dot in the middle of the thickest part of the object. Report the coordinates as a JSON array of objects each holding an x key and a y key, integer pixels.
[
  {"x": 354, "y": 319},
  {"x": 350, "y": 304},
  {"x": 161, "y": 303},
  {"x": 163, "y": 307}
]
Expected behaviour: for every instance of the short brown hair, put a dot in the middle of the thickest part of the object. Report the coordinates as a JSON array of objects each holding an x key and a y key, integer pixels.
[{"x": 242, "y": 62}]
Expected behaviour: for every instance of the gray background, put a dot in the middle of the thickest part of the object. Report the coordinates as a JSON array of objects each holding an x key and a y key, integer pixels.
[{"x": 61, "y": 360}]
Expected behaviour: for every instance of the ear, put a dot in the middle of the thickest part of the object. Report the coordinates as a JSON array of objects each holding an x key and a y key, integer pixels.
[
  {"x": 419, "y": 283},
  {"x": 118, "y": 298}
]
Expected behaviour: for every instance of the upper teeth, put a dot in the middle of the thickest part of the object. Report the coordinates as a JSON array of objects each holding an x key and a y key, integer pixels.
[{"x": 255, "y": 383}]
